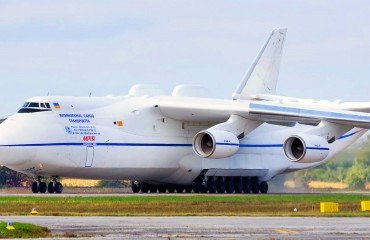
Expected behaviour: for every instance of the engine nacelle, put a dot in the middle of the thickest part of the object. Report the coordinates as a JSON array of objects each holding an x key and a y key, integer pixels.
[
  {"x": 305, "y": 148},
  {"x": 215, "y": 144}
]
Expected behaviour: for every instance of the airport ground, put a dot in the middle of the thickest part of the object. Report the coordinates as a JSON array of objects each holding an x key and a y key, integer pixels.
[
  {"x": 202, "y": 227},
  {"x": 116, "y": 215}
]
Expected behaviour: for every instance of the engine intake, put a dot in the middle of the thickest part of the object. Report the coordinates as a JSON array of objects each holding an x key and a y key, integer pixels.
[
  {"x": 215, "y": 144},
  {"x": 305, "y": 148}
]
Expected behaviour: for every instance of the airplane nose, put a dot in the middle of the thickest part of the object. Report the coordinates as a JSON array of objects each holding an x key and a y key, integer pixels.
[{"x": 11, "y": 155}]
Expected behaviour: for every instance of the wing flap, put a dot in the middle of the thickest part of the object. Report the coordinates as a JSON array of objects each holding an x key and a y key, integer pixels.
[{"x": 272, "y": 112}]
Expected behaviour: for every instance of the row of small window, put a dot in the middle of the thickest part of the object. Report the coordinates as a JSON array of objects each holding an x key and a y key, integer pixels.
[{"x": 36, "y": 105}]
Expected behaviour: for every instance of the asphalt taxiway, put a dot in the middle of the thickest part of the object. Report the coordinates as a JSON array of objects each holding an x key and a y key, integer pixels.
[{"x": 203, "y": 227}]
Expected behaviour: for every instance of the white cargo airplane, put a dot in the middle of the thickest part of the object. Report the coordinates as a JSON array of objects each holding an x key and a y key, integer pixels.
[{"x": 184, "y": 141}]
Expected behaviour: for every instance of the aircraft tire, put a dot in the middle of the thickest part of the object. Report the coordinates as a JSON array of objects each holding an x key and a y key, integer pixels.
[
  {"x": 153, "y": 188},
  {"x": 255, "y": 187},
  {"x": 42, "y": 187},
  {"x": 238, "y": 185},
  {"x": 171, "y": 189},
  {"x": 180, "y": 189},
  {"x": 203, "y": 188},
  {"x": 162, "y": 188},
  {"x": 144, "y": 187},
  {"x": 188, "y": 189},
  {"x": 51, "y": 187},
  {"x": 229, "y": 185},
  {"x": 220, "y": 185},
  {"x": 196, "y": 188},
  {"x": 247, "y": 185},
  {"x": 264, "y": 187},
  {"x": 211, "y": 185},
  {"x": 34, "y": 187},
  {"x": 58, "y": 187},
  {"x": 135, "y": 186}
]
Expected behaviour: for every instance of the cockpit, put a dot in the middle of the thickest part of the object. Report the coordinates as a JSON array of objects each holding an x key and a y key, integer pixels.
[{"x": 30, "y": 107}]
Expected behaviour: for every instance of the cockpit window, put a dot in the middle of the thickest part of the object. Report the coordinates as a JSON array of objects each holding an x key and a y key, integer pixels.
[{"x": 31, "y": 107}]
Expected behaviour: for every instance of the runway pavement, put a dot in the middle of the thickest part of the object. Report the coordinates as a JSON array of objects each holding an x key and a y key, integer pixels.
[{"x": 203, "y": 227}]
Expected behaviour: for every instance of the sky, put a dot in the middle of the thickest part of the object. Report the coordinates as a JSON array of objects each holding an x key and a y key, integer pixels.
[{"x": 105, "y": 47}]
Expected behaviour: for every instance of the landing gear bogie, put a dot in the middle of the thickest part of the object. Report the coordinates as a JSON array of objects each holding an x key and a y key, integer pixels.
[
  {"x": 209, "y": 184},
  {"x": 41, "y": 187}
]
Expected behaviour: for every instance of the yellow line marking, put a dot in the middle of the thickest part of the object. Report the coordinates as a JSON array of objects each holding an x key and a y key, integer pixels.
[{"x": 287, "y": 231}]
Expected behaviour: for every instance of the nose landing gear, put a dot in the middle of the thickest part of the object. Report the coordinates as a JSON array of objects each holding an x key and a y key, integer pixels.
[{"x": 52, "y": 187}]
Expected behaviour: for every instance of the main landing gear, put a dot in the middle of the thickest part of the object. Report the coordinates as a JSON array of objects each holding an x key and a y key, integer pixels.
[
  {"x": 52, "y": 187},
  {"x": 219, "y": 185}
]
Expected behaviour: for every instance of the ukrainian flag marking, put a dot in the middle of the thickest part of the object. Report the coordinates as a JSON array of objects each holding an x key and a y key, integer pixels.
[{"x": 56, "y": 105}]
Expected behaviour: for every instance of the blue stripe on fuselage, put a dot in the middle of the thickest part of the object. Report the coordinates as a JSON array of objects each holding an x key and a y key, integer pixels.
[{"x": 160, "y": 144}]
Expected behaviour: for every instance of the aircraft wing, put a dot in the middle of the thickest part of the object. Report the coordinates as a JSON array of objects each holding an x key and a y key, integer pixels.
[{"x": 215, "y": 110}]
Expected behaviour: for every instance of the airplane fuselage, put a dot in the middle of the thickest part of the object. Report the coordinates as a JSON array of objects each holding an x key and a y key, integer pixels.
[{"x": 129, "y": 138}]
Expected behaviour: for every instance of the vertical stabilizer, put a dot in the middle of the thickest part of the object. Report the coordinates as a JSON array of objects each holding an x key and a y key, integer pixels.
[{"x": 262, "y": 76}]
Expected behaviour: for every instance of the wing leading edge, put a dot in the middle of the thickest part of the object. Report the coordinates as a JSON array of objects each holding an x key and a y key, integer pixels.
[{"x": 213, "y": 110}]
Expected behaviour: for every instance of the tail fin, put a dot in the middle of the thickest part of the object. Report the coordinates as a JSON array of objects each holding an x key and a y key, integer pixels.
[{"x": 263, "y": 74}]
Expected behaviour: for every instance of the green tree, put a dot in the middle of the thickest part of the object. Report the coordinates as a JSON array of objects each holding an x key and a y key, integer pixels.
[{"x": 359, "y": 174}]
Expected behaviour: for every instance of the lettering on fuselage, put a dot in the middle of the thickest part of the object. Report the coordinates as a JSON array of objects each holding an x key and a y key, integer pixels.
[
  {"x": 77, "y": 117},
  {"x": 88, "y": 138},
  {"x": 82, "y": 130}
]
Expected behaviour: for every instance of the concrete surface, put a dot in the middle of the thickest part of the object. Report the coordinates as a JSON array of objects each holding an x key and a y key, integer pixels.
[{"x": 203, "y": 227}]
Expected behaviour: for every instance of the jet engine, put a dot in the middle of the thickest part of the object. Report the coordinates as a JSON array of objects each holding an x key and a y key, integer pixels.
[
  {"x": 305, "y": 148},
  {"x": 215, "y": 144}
]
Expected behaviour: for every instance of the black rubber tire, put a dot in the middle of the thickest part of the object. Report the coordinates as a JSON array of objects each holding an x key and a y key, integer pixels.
[
  {"x": 162, "y": 188},
  {"x": 255, "y": 187},
  {"x": 229, "y": 183},
  {"x": 34, "y": 187},
  {"x": 196, "y": 188},
  {"x": 180, "y": 189},
  {"x": 220, "y": 185},
  {"x": 42, "y": 187},
  {"x": 153, "y": 188},
  {"x": 58, "y": 187},
  {"x": 264, "y": 187},
  {"x": 144, "y": 187},
  {"x": 211, "y": 185},
  {"x": 135, "y": 186},
  {"x": 247, "y": 185},
  {"x": 238, "y": 185},
  {"x": 51, "y": 187},
  {"x": 188, "y": 189},
  {"x": 203, "y": 188},
  {"x": 171, "y": 189}
]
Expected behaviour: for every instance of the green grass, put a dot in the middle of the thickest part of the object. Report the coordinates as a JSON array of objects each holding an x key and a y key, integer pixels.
[
  {"x": 187, "y": 205},
  {"x": 23, "y": 230}
]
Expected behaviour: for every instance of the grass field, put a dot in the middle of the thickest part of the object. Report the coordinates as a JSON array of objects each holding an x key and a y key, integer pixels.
[
  {"x": 187, "y": 205},
  {"x": 23, "y": 230}
]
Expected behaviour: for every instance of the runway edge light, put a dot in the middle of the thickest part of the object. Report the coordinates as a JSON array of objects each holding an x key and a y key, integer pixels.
[
  {"x": 34, "y": 211},
  {"x": 329, "y": 207},
  {"x": 365, "y": 206},
  {"x": 10, "y": 226}
]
